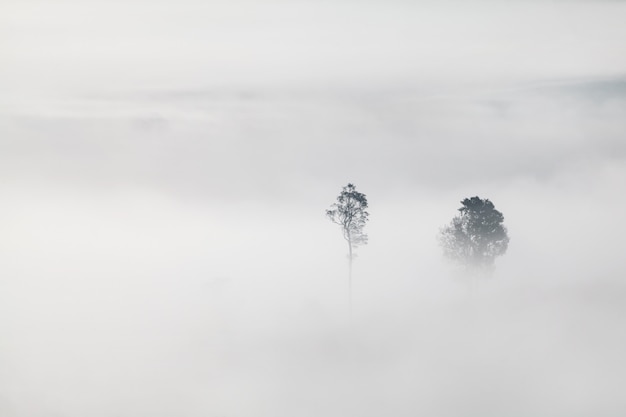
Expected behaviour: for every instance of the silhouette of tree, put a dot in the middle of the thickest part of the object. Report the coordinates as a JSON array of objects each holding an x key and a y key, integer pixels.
[
  {"x": 350, "y": 213},
  {"x": 476, "y": 236}
]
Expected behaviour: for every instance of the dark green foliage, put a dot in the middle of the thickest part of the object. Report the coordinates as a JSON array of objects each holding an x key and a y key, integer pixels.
[
  {"x": 350, "y": 212},
  {"x": 476, "y": 236}
]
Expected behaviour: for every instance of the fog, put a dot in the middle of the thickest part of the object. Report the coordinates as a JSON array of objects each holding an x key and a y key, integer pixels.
[{"x": 164, "y": 171}]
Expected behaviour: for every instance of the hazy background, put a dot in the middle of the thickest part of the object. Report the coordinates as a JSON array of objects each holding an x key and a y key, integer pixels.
[{"x": 164, "y": 171}]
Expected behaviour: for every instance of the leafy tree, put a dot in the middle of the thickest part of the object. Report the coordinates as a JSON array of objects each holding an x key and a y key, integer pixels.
[
  {"x": 476, "y": 236},
  {"x": 350, "y": 213}
]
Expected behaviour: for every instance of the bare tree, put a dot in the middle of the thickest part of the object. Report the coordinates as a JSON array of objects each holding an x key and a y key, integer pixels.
[
  {"x": 476, "y": 236},
  {"x": 350, "y": 213}
]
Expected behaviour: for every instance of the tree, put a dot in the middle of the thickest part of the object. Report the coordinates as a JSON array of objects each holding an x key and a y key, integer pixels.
[
  {"x": 476, "y": 236},
  {"x": 350, "y": 213}
]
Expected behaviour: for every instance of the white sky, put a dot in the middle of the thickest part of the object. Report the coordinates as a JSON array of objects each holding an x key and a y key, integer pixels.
[{"x": 88, "y": 46}]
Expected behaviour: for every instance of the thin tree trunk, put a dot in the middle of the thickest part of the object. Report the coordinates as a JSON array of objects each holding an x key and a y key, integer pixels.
[{"x": 350, "y": 277}]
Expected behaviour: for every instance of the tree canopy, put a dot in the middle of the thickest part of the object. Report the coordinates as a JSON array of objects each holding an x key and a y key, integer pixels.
[
  {"x": 476, "y": 236},
  {"x": 350, "y": 212}
]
